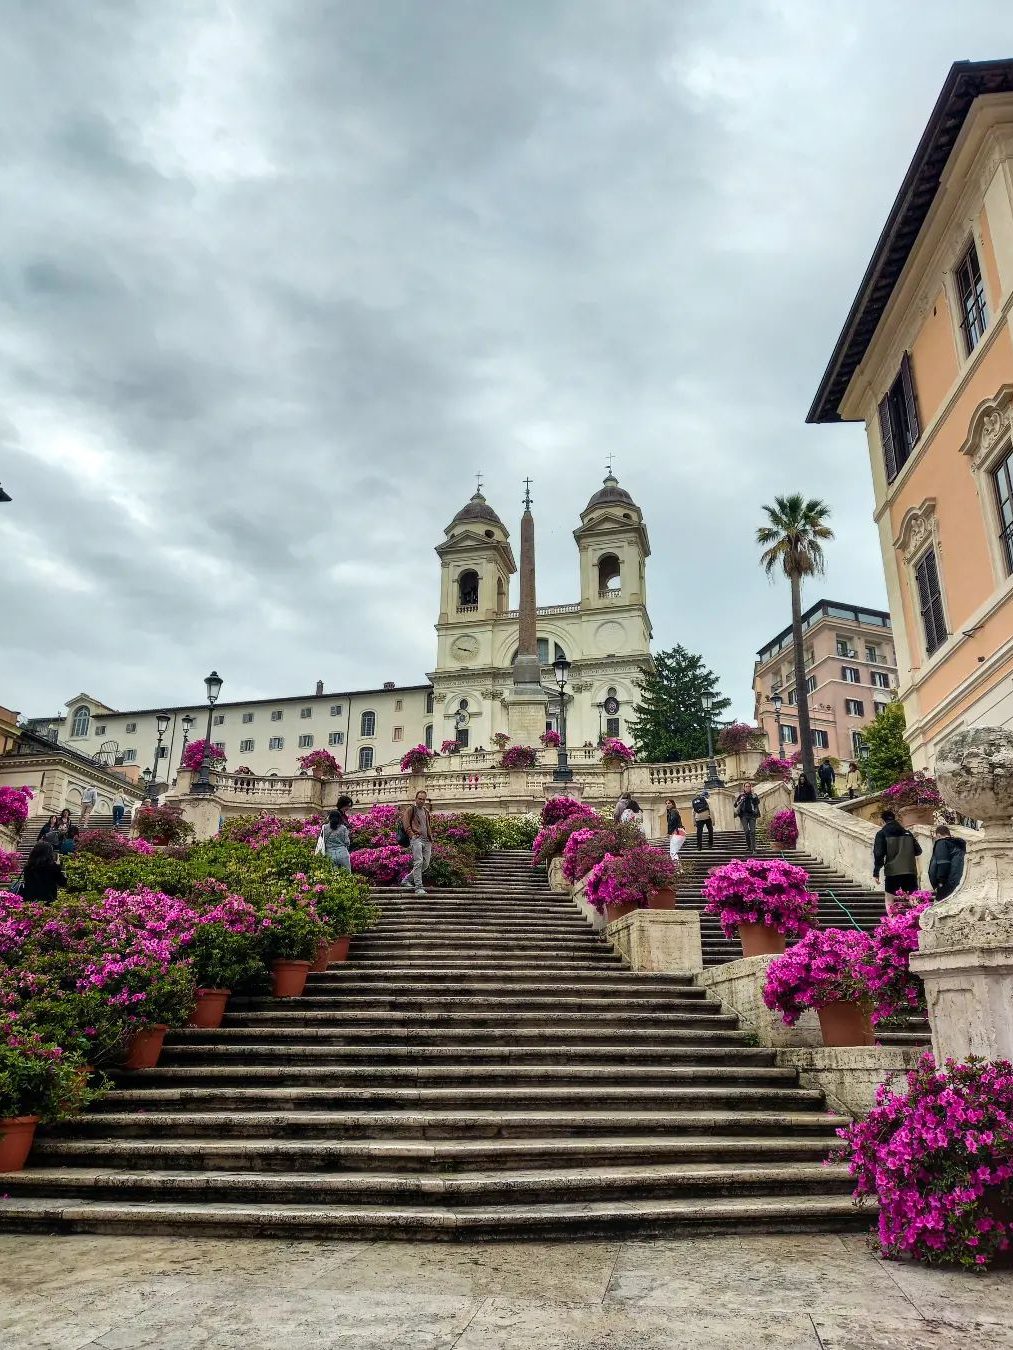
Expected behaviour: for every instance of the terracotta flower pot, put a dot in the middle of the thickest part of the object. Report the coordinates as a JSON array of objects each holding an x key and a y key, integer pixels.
[
  {"x": 320, "y": 960},
  {"x": 209, "y": 1008},
  {"x": 664, "y": 899},
  {"x": 759, "y": 940},
  {"x": 613, "y": 912},
  {"x": 288, "y": 978},
  {"x": 144, "y": 1047},
  {"x": 17, "y": 1134},
  {"x": 845, "y": 1024},
  {"x": 339, "y": 950}
]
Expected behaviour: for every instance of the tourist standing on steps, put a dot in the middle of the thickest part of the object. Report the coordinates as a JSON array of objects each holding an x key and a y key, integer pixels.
[
  {"x": 675, "y": 828},
  {"x": 52, "y": 824},
  {"x": 747, "y": 808},
  {"x": 853, "y": 782},
  {"x": 634, "y": 816},
  {"x": 703, "y": 820},
  {"x": 88, "y": 799},
  {"x": 336, "y": 837},
  {"x": 416, "y": 825},
  {"x": 946, "y": 866},
  {"x": 825, "y": 773},
  {"x": 894, "y": 851},
  {"x": 804, "y": 790},
  {"x": 119, "y": 810},
  {"x": 43, "y": 874},
  {"x": 621, "y": 805}
]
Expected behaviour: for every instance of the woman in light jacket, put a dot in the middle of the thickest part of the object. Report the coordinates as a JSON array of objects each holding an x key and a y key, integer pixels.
[{"x": 335, "y": 835}]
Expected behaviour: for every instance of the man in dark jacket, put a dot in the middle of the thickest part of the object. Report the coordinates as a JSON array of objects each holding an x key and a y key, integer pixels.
[
  {"x": 825, "y": 773},
  {"x": 946, "y": 866},
  {"x": 747, "y": 809},
  {"x": 703, "y": 820},
  {"x": 894, "y": 851}
]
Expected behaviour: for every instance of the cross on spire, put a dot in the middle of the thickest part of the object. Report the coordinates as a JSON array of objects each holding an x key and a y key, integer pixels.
[
  {"x": 527, "y": 494},
  {"x": 478, "y": 480},
  {"x": 608, "y": 466}
]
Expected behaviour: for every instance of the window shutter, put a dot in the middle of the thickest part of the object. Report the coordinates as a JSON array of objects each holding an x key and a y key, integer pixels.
[
  {"x": 910, "y": 402},
  {"x": 886, "y": 436}
]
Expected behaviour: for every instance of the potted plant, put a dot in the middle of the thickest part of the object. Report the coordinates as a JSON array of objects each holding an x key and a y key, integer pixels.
[
  {"x": 772, "y": 767},
  {"x": 917, "y": 795},
  {"x": 766, "y": 900},
  {"x": 640, "y": 878},
  {"x": 615, "y": 754},
  {"x": 163, "y": 825},
  {"x": 500, "y": 740},
  {"x": 589, "y": 845},
  {"x": 449, "y": 748},
  {"x": 417, "y": 760},
  {"x": 290, "y": 936},
  {"x": 38, "y": 1082},
  {"x": 14, "y": 807},
  {"x": 938, "y": 1158},
  {"x": 738, "y": 737},
  {"x": 163, "y": 997},
  {"x": 321, "y": 764},
  {"x": 519, "y": 757},
  {"x": 895, "y": 988},
  {"x": 193, "y": 754},
  {"x": 783, "y": 828},
  {"x": 551, "y": 740},
  {"x": 223, "y": 958},
  {"x": 829, "y": 971}
]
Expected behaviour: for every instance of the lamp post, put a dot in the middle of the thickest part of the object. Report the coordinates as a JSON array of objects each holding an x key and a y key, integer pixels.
[
  {"x": 202, "y": 787},
  {"x": 186, "y": 722},
  {"x": 162, "y": 721},
  {"x": 562, "y": 773},
  {"x": 778, "y": 702},
  {"x": 713, "y": 781}
]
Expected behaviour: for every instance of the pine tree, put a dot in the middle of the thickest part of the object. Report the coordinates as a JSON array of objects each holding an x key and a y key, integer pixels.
[
  {"x": 669, "y": 721},
  {"x": 889, "y": 758}
]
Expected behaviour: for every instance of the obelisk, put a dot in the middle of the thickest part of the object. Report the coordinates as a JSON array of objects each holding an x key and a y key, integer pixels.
[{"x": 527, "y": 703}]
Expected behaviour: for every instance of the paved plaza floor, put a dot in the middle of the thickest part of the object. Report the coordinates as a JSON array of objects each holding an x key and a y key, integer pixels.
[{"x": 745, "y": 1293}]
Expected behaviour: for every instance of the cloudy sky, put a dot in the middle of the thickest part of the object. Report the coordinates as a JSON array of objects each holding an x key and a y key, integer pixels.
[{"x": 278, "y": 277}]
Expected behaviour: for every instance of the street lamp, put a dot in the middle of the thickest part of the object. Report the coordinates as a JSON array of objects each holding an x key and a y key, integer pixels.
[
  {"x": 213, "y": 684},
  {"x": 162, "y": 721},
  {"x": 186, "y": 722},
  {"x": 713, "y": 781},
  {"x": 562, "y": 773},
  {"x": 778, "y": 703}
]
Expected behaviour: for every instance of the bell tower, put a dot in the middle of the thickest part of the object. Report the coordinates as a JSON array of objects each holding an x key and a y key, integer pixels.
[
  {"x": 476, "y": 564},
  {"x": 614, "y": 549}
]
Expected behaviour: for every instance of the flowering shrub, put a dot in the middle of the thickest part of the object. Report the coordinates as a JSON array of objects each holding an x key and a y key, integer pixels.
[
  {"x": 449, "y": 747},
  {"x": 322, "y": 760},
  {"x": 384, "y": 866},
  {"x": 106, "y": 844},
  {"x": 417, "y": 760},
  {"x": 163, "y": 825},
  {"x": 783, "y": 828},
  {"x": 615, "y": 749},
  {"x": 902, "y": 901},
  {"x": 828, "y": 965},
  {"x": 14, "y": 806},
  {"x": 37, "y": 1078},
  {"x": 773, "y": 767},
  {"x": 739, "y": 736},
  {"x": 586, "y": 847},
  {"x": 10, "y": 865},
  {"x": 630, "y": 878},
  {"x": 500, "y": 740},
  {"x": 939, "y": 1160},
  {"x": 551, "y": 740},
  {"x": 894, "y": 987},
  {"x": 519, "y": 757},
  {"x": 919, "y": 789},
  {"x": 758, "y": 890},
  {"x": 550, "y": 841},
  {"x": 561, "y": 808},
  {"x": 193, "y": 755},
  {"x": 513, "y": 831}
]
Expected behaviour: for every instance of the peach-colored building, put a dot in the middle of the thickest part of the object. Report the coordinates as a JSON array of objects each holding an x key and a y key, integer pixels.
[
  {"x": 851, "y": 673},
  {"x": 925, "y": 360}
]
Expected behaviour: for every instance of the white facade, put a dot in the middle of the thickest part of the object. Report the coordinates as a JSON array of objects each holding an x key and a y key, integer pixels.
[{"x": 605, "y": 634}]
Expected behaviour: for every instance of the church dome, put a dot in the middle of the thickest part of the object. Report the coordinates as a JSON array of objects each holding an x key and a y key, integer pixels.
[
  {"x": 610, "y": 492},
  {"x": 476, "y": 510}
]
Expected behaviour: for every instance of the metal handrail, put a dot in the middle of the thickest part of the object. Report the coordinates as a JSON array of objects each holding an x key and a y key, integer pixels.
[{"x": 837, "y": 901}]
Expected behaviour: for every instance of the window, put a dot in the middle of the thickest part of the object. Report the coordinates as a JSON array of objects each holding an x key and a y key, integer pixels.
[
  {"x": 129, "y": 756},
  {"x": 367, "y": 727},
  {"x": 163, "y": 751},
  {"x": 429, "y": 736},
  {"x": 789, "y": 734},
  {"x": 792, "y": 697},
  {"x": 543, "y": 651},
  {"x": 430, "y": 696},
  {"x": 854, "y": 707},
  {"x": 609, "y": 575},
  {"x": 1002, "y": 477},
  {"x": 850, "y": 675},
  {"x": 335, "y": 709},
  {"x": 219, "y": 720},
  {"x": 820, "y": 739},
  {"x": 930, "y": 602},
  {"x": 467, "y": 591},
  {"x": 305, "y": 742},
  {"x": 100, "y": 730},
  {"x": 857, "y": 744},
  {"x": 880, "y": 679},
  {"x": 276, "y": 715},
  {"x": 305, "y": 712},
  {"x": 276, "y": 743},
  {"x": 366, "y": 757},
  {"x": 843, "y": 647},
  {"x": 398, "y": 704},
  {"x": 810, "y": 684},
  {"x": 872, "y": 655},
  {"x": 219, "y": 745},
  {"x": 247, "y": 717},
  {"x": 130, "y": 727},
  {"x": 971, "y": 294},
  {"x": 879, "y": 708},
  {"x": 775, "y": 684},
  {"x": 81, "y": 722},
  {"x": 462, "y": 737},
  {"x": 899, "y": 427},
  {"x": 335, "y": 738},
  {"x": 245, "y": 747},
  {"x": 398, "y": 734},
  {"x": 612, "y": 726}
]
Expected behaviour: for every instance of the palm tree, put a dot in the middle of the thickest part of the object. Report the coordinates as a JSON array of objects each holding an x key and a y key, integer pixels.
[{"x": 792, "y": 542}]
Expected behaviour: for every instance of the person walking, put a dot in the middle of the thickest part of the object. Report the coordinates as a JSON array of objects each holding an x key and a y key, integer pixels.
[
  {"x": 676, "y": 830},
  {"x": 89, "y": 798},
  {"x": 336, "y": 837},
  {"x": 119, "y": 810},
  {"x": 827, "y": 777},
  {"x": 853, "y": 782},
  {"x": 703, "y": 820},
  {"x": 634, "y": 816},
  {"x": 946, "y": 866},
  {"x": 621, "y": 805},
  {"x": 415, "y": 824},
  {"x": 43, "y": 874},
  {"x": 894, "y": 851},
  {"x": 804, "y": 790},
  {"x": 747, "y": 808}
]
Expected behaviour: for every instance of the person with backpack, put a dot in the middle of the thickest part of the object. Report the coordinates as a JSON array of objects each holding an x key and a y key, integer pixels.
[
  {"x": 675, "y": 828},
  {"x": 894, "y": 853},
  {"x": 703, "y": 820},
  {"x": 946, "y": 866},
  {"x": 414, "y": 832},
  {"x": 747, "y": 809}
]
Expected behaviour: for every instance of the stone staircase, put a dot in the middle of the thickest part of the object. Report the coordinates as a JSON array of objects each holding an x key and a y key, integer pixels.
[
  {"x": 30, "y": 832},
  {"x": 484, "y": 1066}
]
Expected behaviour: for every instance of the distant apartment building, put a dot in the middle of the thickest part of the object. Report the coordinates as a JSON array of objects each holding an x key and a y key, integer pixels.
[
  {"x": 850, "y": 672},
  {"x": 925, "y": 361}
]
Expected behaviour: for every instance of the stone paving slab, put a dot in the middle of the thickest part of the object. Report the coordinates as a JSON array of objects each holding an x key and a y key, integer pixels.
[{"x": 765, "y": 1292}]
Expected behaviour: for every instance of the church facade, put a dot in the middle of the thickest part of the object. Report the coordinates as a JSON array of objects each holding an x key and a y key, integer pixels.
[{"x": 605, "y": 634}]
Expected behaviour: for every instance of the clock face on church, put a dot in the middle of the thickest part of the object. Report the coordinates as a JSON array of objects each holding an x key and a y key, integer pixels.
[{"x": 464, "y": 648}]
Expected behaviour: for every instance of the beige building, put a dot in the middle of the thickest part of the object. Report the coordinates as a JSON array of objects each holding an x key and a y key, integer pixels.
[
  {"x": 851, "y": 673},
  {"x": 605, "y": 633}
]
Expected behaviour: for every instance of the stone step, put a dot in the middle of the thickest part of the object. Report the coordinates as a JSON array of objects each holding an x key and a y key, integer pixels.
[
  {"x": 349, "y": 974},
  {"x": 708, "y": 1016},
  {"x": 430, "y": 1006},
  {"x": 266, "y": 1047},
  {"x": 419, "y": 1039},
  {"x": 451, "y": 1075},
  {"x": 622, "y": 985}
]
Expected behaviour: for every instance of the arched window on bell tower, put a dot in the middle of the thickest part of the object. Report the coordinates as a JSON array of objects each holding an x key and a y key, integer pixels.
[
  {"x": 609, "y": 574},
  {"x": 467, "y": 591}
]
